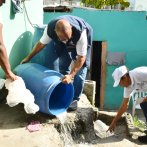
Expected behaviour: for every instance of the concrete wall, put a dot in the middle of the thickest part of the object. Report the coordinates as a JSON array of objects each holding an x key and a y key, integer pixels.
[
  {"x": 124, "y": 32},
  {"x": 17, "y": 31}
]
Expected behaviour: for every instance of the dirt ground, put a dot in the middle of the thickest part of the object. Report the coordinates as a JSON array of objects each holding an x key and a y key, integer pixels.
[
  {"x": 120, "y": 139},
  {"x": 13, "y": 132}
]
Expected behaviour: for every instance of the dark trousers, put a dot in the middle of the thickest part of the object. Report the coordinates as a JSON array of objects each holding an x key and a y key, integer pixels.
[{"x": 144, "y": 109}]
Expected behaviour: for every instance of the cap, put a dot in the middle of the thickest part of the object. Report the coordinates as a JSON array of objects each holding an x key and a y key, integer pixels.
[{"x": 118, "y": 73}]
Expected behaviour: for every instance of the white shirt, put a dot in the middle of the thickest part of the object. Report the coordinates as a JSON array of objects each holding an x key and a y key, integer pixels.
[
  {"x": 1, "y": 18},
  {"x": 81, "y": 45},
  {"x": 139, "y": 81}
]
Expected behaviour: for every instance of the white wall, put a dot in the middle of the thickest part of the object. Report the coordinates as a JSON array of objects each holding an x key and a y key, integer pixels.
[
  {"x": 17, "y": 31},
  {"x": 141, "y": 5},
  {"x": 137, "y": 5}
]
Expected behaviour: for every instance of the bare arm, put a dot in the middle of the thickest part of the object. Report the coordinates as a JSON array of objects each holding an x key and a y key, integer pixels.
[
  {"x": 37, "y": 48},
  {"x": 121, "y": 110},
  {"x": 79, "y": 63},
  {"x": 4, "y": 62}
]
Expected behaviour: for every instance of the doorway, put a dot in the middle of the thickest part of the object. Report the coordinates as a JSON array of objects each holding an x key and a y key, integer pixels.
[{"x": 96, "y": 68}]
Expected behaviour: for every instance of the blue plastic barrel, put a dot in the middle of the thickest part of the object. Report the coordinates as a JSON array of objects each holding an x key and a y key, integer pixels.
[
  {"x": 51, "y": 95},
  {"x": 47, "y": 57}
]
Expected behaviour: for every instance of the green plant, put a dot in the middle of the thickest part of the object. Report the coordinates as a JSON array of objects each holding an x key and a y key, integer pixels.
[
  {"x": 138, "y": 123},
  {"x": 98, "y": 4},
  {"x": 94, "y": 103}
]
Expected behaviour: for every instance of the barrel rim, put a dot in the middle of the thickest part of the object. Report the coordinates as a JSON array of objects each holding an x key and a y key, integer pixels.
[{"x": 51, "y": 88}]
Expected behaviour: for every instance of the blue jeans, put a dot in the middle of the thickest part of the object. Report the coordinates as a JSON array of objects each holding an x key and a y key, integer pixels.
[
  {"x": 144, "y": 109},
  {"x": 79, "y": 79}
]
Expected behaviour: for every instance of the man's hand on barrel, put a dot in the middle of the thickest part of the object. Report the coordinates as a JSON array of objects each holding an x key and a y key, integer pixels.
[
  {"x": 66, "y": 79},
  {"x": 24, "y": 61}
]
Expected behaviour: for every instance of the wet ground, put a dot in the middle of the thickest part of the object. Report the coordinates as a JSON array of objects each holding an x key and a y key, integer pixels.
[{"x": 13, "y": 132}]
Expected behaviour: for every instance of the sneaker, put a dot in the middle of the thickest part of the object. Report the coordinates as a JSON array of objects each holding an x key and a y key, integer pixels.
[
  {"x": 143, "y": 139},
  {"x": 73, "y": 106}
]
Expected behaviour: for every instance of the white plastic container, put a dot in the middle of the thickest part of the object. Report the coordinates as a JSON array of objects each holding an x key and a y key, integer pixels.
[{"x": 100, "y": 129}]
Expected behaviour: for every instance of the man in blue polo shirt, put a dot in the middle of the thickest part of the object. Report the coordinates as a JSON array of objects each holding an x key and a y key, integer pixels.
[{"x": 73, "y": 40}]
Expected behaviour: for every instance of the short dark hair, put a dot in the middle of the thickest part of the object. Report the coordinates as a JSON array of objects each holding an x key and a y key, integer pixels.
[
  {"x": 1, "y": 2},
  {"x": 127, "y": 74}
]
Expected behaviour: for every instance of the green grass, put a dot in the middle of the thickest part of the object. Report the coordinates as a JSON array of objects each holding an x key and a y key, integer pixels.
[{"x": 138, "y": 123}]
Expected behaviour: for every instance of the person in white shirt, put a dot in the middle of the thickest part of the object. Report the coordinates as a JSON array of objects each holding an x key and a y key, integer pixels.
[
  {"x": 135, "y": 79},
  {"x": 73, "y": 40},
  {"x": 4, "y": 62}
]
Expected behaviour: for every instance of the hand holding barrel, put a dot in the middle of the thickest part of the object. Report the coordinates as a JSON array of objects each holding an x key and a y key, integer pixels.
[
  {"x": 24, "y": 61},
  {"x": 66, "y": 79}
]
